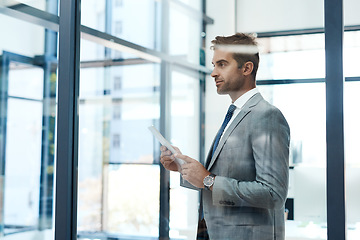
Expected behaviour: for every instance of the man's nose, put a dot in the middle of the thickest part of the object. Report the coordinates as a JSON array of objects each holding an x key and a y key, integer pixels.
[{"x": 214, "y": 73}]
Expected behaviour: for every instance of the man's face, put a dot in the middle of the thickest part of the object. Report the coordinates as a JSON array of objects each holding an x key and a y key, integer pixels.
[{"x": 229, "y": 79}]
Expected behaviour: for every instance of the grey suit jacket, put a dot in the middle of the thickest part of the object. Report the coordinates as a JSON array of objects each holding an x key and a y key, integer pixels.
[{"x": 252, "y": 171}]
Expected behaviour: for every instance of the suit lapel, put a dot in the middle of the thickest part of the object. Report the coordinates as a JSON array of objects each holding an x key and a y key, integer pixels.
[{"x": 253, "y": 101}]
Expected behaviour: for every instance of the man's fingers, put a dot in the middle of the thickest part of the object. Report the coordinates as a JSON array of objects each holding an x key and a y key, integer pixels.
[
  {"x": 187, "y": 159},
  {"x": 167, "y": 158},
  {"x": 167, "y": 163},
  {"x": 177, "y": 149},
  {"x": 166, "y": 153}
]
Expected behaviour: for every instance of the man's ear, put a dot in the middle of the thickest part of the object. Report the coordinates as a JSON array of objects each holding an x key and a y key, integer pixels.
[{"x": 247, "y": 68}]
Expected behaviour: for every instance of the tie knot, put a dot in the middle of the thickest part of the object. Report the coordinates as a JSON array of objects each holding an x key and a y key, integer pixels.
[{"x": 232, "y": 108}]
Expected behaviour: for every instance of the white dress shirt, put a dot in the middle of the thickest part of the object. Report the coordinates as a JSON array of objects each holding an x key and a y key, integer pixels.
[{"x": 239, "y": 103}]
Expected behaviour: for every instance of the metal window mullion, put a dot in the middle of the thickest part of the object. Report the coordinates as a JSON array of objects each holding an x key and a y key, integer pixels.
[
  {"x": 202, "y": 90},
  {"x": 4, "y": 72},
  {"x": 334, "y": 31},
  {"x": 305, "y": 31},
  {"x": 67, "y": 121},
  {"x": 165, "y": 129},
  {"x": 165, "y": 120}
]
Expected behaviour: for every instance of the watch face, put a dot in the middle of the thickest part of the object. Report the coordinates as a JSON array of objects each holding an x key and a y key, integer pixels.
[{"x": 208, "y": 181}]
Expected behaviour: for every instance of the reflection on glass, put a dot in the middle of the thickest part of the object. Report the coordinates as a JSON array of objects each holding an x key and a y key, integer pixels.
[
  {"x": 303, "y": 105},
  {"x": 185, "y": 135},
  {"x": 27, "y": 131},
  {"x": 22, "y": 168},
  {"x": 27, "y": 126},
  {"x": 118, "y": 183}
]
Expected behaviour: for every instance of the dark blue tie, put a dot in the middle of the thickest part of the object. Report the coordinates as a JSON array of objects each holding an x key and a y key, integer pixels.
[{"x": 223, "y": 126}]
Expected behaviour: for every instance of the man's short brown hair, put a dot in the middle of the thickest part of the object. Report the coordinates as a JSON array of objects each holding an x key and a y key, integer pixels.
[{"x": 243, "y": 46}]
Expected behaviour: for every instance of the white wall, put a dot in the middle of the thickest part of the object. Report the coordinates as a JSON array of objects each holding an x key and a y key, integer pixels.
[{"x": 277, "y": 15}]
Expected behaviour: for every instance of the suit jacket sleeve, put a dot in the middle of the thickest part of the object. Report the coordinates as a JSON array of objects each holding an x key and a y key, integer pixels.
[{"x": 268, "y": 144}]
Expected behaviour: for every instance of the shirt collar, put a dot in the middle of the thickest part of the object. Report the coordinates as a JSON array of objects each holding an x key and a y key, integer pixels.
[{"x": 240, "y": 102}]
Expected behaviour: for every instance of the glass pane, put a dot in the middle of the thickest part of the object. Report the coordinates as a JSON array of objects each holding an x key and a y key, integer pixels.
[
  {"x": 184, "y": 44},
  {"x": 50, "y": 6},
  {"x": 295, "y": 52},
  {"x": 195, "y": 4},
  {"x": 28, "y": 42},
  {"x": 129, "y": 15},
  {"x": 290, "y": 57},
  {"x": 22, "y": 177},
  {"x": 133, "y": 215},
  {"x": 351, "y": 54},
  {"x": 185, "y": 135},
  {"x": 93, "y": 51},
  {"x": 116, "y": 151},
  {"x": 28, "y": 175},
  {"x": 130, "y": 20},
  {"x": 352, "y": 153},
  {"x": 30, "y": 86},
  {"x": 306, "y": 201},
  {"x": 93, "y": 14},
  {"x": 27, "y": 130}
]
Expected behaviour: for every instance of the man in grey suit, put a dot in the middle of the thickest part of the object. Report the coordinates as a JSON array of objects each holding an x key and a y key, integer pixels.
[{"x": 244, "y": 182}]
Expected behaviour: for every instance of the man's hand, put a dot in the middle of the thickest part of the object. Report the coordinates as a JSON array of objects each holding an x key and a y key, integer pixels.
[
  {"x": 167, "y": 159},
  {"x": 193, "y": 171}
]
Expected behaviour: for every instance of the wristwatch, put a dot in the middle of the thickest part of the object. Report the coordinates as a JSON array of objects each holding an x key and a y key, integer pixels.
[{"x": 209, "y": 181}]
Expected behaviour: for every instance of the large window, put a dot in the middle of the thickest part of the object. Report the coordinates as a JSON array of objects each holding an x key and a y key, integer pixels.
[
  {"x": 300, "y": 62},
  {"x": 306, "y": 204},
  {"x": 27, "y": 130},
  {"x": 116, "y": 159},
  {"x": 185, "y": 132},
  {"x": 126, "y": 76},
  {"x": 120, "y": 96}
]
